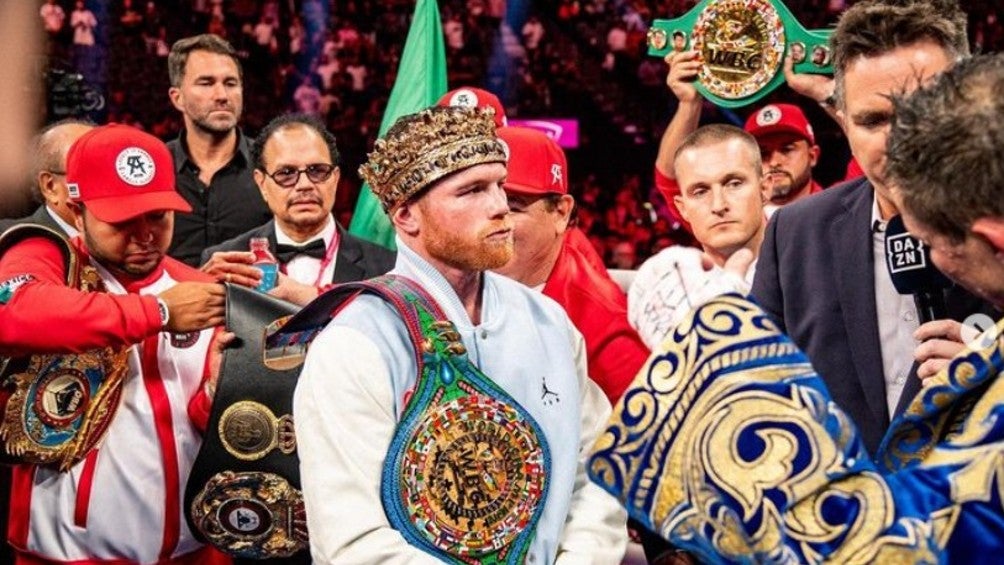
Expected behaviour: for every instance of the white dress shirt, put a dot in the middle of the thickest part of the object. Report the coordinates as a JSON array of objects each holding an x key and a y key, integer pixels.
[
  {"x": 71, "y": 232},
  {"x": 897, "y": 319},
  {"x": 305, "y": 269}
]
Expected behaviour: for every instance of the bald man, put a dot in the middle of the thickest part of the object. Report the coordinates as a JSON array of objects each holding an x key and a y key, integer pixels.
[{"x": 49, "y": 174}]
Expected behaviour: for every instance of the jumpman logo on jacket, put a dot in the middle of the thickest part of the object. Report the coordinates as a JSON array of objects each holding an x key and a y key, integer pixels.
[{"x": 547, "y": 396}]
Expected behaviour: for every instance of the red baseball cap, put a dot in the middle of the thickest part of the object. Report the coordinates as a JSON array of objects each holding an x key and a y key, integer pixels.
[
  {"x": 780, "y": 118},
  {"x": 121, "y": 172},
  {"x": 470, "y": 97},
  {"x": 537, "y": 165}
]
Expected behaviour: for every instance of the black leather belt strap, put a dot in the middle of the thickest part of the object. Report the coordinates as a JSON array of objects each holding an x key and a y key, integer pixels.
[
  {"x": 249, "y": 445},
  {"x": 245, "y": 381}
]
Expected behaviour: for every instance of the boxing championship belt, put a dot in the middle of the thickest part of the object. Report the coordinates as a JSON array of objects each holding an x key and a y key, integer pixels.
[
  {"x": 243, "y": 494},
  {"x": 742, "y": 45},
  {"x": 57, "y": 406},
  {"x": 467, "y": 470}
]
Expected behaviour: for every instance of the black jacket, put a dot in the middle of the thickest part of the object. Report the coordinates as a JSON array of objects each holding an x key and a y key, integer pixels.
[
  {"x": 815, "y": 277},
  {"x": 356, "y": 259},
  {"x": 40, "y": 216}
]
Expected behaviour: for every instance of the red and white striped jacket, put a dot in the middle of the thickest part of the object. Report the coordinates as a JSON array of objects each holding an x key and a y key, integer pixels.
[{"x": 123, "y": 503}]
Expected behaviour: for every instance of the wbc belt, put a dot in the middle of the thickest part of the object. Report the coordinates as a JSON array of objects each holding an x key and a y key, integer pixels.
[
  {"x": 742, "y": 45},
  {"x": 57, "y": 407},
  {"x": 467, "y": 470}
]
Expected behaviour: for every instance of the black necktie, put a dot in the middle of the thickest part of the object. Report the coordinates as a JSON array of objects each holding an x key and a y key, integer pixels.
[{"x": 285, "y": 253}]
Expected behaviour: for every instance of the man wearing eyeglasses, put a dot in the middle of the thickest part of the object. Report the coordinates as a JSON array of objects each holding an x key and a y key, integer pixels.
[
  {"x": 49, "y": 175},
  {"x": 296, "y": 170}
]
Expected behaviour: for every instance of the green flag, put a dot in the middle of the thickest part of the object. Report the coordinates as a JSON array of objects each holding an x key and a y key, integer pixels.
[{"x": 421, "y": 81}]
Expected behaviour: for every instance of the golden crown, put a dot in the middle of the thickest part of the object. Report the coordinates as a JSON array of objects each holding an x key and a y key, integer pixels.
[{"x": 421, "y": 148}]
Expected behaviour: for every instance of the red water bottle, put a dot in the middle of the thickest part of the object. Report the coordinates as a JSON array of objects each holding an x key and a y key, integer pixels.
[{"x": 266, "y": 263}]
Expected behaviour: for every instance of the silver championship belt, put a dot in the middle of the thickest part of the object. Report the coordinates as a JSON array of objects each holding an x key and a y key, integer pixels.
[{"x": 57, "y": 407}]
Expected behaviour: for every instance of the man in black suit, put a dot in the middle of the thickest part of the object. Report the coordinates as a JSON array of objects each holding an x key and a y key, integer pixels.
[
  {"x": 821, "y": 272},
  {"x": 296, "y": 170},
  {"x": 49, "y": 175}
]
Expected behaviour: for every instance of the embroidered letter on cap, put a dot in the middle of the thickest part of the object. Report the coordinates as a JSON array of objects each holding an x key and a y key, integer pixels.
[
  {"x": 769, "y": 115},
  {"x": 556, "y": 174},
  {"x": 464, "y": 98}
]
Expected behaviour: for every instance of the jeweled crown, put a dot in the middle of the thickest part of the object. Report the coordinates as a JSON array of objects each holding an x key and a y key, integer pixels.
[{"x": 421, "y": 148}]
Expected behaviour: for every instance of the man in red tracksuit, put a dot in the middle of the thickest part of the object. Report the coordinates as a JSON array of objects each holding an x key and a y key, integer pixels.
[
  {"x": 549, "y": 256},
  {"x": 123, "y": 502}
]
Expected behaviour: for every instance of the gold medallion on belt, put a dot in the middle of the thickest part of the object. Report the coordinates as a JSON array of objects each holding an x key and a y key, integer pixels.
[
  {"x": 742, "y": 45},
  {"x": 250, "y": 430},
  {"x": 253, "y": 515}
]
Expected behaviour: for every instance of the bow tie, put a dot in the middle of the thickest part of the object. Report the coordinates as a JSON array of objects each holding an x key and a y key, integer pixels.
[{"x": 285, "y": 253}]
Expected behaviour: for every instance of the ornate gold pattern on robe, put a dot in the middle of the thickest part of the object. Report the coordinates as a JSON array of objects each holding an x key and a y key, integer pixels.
[{"x": 728, "y": 444}]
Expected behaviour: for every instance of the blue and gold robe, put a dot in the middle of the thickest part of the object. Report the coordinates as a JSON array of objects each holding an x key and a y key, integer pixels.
[{"x": 728, "y": 445}]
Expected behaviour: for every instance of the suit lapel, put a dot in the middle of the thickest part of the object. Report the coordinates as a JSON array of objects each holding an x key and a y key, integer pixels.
[
  {"x": 851, "y": 239},
  {"x": 42, "y": 217},
  {"x": 348, "y": 260},
  {"x": 348, "y": 257},
  {"x": 268, "y": 231},
  {"x": 910, "y": 389}
]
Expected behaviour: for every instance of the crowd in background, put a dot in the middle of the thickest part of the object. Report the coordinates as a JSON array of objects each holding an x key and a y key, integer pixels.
[{"x": 338, "y": 59}]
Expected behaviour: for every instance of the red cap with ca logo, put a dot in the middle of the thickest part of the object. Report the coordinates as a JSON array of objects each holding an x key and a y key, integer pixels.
[
  {"x": 780, "y": 118},
  {"x": 537, "y": 165},
  {"x": 121, "y": 172},
  {"x": 470, "y": 97}
]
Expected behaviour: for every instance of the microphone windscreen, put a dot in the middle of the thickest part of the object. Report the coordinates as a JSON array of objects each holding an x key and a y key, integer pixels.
[{"x": 909, "y": 261}]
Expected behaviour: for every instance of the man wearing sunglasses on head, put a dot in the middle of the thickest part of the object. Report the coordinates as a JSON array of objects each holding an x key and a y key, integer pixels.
[{"x": 296, "y": 169}]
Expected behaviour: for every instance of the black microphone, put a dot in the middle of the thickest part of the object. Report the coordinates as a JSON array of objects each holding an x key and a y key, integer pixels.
[{"x": 912, "y": 272}]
